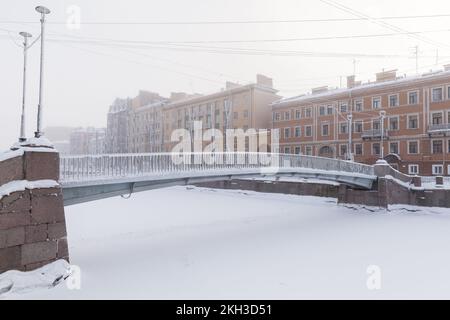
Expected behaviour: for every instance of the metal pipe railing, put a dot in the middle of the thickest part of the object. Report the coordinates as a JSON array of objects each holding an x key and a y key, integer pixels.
[{"x": 108, "y": 166}]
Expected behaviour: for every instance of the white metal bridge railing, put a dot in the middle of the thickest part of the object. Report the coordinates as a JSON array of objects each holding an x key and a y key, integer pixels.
[{"x": 109, "y": 166}]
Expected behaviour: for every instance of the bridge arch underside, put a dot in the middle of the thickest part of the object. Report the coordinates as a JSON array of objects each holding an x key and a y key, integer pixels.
[{"x": 75, "y": 193}]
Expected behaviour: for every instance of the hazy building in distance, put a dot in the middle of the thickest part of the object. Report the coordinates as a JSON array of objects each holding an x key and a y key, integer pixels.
[
  {"x": 87, "y": 141},
  {"x": 60, "y": 137}
]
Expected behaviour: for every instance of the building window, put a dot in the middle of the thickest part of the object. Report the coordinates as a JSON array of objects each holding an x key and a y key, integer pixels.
[
  {"x": 375, "y": 148},
  {"x": 358, "y": 126},
  {"x": 436, "y": 146},
  {"x": 287, "y": 115},
  {"x": 287, "y": 149},
  {"x": 308, "y": 112},
  {"x": 436, "y": 94},
  {"x": 322, "y": 110},
  {"x": 376, "y": 102},
  {"x": 376, "y": 124},
  {"x": 325, "y": 129},
  {"x": 298, "y": 132},
  {"x": 393, "y": 100},
  {"x": 393, "y": 147},
  {"x": 276, "y": 116},
  {"x": 436, "y": 118},
  {"x": 413, "y": 97},
  {"x": 343, "y": 107},
  {"x": 245, "y": 113},
  {"x": 413, "y": 147},
  {"x": 329, "y": 110},
  {"x": 308, "y": 150},
  {"x": 343, "y": 128},
  {"x": 308, "y": 131},
  {"x": 448, "y": 92},
  {"x": 448, "y": 147},
  {"x": 287, "y": 133},
  {"x": 393, "y": 123},
  {"x": 358, "y": 149},
  {"x": 297, "y": 150},
  {"x": 413, "y": 169},
  {"x": 413, "y": 121},
  {"x": 343, "y": 149},
  {"x": 298, "y": 114},
  {"x": 437, "y": 169},
  {"x": 358, "y": 105}
]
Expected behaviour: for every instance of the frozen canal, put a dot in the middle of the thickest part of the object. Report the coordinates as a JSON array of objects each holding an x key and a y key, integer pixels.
[{"x": 192, "y": 243}]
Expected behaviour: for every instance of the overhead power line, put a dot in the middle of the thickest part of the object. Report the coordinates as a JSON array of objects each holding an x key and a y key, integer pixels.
[{"x": 212, "y": 22}]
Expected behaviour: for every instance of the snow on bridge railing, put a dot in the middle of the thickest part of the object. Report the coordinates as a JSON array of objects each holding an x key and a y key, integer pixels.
[{"x": 110, "y": 166}]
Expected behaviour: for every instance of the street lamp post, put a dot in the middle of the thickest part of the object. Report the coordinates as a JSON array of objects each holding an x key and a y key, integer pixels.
[
  {"x": 43, "y": 11},
  {"x": 349, "y": 151},
  {"x": 382, "y": 115},
  {"x": 25, "y": 36}
]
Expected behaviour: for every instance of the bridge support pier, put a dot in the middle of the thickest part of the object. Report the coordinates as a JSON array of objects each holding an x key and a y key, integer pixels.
[{"x": 32, "y": 222}]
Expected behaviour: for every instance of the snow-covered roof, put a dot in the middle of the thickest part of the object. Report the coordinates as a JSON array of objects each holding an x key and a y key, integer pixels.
[{"x": 362, "y": 87}]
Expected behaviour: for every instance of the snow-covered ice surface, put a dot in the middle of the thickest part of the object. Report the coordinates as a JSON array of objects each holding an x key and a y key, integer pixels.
[{"x": 194, "y": 243}]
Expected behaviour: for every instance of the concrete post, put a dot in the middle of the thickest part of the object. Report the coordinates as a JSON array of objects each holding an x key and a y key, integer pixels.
[{"x": 32, "y": 222}]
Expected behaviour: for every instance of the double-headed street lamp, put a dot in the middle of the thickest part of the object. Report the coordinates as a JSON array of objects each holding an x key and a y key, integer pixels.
[
  {"x": 43, "y": 11},
  {"x": 25, "y": 36}
]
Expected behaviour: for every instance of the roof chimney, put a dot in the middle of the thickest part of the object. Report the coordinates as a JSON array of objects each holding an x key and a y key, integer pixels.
[
  {"x": 264, "y": 81},
  {"x": 386, "y": 75}
]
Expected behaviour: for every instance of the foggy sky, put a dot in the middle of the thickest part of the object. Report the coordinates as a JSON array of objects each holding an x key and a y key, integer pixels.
[{"x": 82, "y": 79}]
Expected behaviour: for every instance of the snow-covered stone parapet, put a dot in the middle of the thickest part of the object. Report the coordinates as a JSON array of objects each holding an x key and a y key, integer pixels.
[{"x": 32, "y": 221}]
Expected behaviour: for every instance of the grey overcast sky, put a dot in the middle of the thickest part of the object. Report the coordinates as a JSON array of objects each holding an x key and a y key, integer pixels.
[{"x": 122, "y": 46}]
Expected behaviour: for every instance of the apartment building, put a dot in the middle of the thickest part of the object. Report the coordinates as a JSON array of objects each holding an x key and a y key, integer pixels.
[
  {"x": 405, "y": 120},
  {"x": 117, "y": 126},
  {"x": 236, "y": 106},
  {"x": 87, "y": 141},
  {"x": 144, "y": 128}
]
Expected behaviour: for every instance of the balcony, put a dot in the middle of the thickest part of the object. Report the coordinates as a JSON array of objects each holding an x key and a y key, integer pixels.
[
  {"x": 374, "y": 134},
  {"x": 439, "y": 129}
]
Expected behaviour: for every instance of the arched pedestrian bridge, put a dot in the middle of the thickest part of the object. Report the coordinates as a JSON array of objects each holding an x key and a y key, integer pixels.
[{"x": 92, "y": 177}]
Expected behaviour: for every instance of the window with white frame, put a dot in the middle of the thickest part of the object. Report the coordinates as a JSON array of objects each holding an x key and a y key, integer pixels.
[
  {"x": 343, "y": 107},
  {"x": 298, "y": 114},
  {"x": 358, "y": 106},
  {"x": 436, "y": 146},
  {"x": 393, "y": 147},
  {"x": 413, "y": 121},
  {"x": 308, "y": 131},
  {"x": 393, "y": 123},
  {"x": 343, "y": 128},
  {"x": 276, "y": 116},
  {"x": 287, "y": 149},
  {"x": 287, "y": 133},
  {"x": 329, "y": 110},
  {"x": 375, "y": 148},
  {"x": 437, "y": 169},
  {"x": 309, "y": 150},
  {"x": 436, "y": 118},
  {"x": 287, "y": 115},
  {"x": 376, "y": 102},
  {"x": 413, "y": 147},
  {"x": 297, "y": 150},
  {"x": 413, "y": 97},
  {"x": 393, "y": 100},
  {"x": 308, "y": 112},
  {"x": 413, "y": 169},
  {"x": 358, "y": 126},
  {"x": 325, "y": 129},
  {"x": 343, "y": 149},
  {"x": 298, "y": 132},
  {"x": 322, "y": 110},
  {"x": 358, "y": 148},
  {"x": 436, "y": 94},
  {"x": 376, "y": 124}
]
